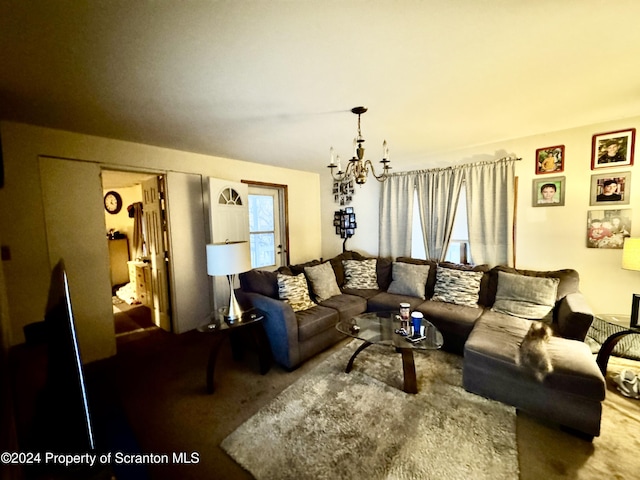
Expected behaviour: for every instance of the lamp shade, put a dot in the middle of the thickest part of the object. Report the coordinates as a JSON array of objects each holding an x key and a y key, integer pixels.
[
  {"x": 631, "y": 254},
  {"x": 228, "y": 258}
]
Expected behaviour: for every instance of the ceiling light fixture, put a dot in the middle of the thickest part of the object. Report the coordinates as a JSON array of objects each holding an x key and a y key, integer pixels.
[{"x": 357, "y": 168}]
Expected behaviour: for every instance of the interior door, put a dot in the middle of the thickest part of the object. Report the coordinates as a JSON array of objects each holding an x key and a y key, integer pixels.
[
  {"x": 229, "y": 221},
  {"x": 155, "y": 241},
  {"x": 76, "y": 232},
  {"x": 191, "y": 298}
]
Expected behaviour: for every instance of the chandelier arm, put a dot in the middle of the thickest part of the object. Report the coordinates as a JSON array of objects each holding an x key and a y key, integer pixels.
[
  {"x": 342, "y": 176},
  {"x": 382, "y": 177}
]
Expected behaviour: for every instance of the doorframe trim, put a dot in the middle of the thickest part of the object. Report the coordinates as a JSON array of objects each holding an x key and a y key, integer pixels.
[{"x": 285, "y": 200}]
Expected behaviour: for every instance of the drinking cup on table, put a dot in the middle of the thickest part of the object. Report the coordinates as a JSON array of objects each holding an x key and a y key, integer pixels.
[
  {"x": 405, "y": 313},
  {"x": 416, "y": 319}
]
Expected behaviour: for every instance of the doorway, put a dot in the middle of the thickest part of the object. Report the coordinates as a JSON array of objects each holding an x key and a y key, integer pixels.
[
  {"x": 135, "y": 220},
  {"x": 268, "y": 225}
]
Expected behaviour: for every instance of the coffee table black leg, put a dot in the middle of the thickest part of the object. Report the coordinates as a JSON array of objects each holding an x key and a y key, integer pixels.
[
  {"x": 355, "y": 354},
  {"x": 409, "y": 369},
  {"x": 211, "y": 364}
]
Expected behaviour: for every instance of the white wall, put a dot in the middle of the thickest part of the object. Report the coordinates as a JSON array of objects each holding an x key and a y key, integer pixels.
[
  {"x": 22, "y": 226},
  {"x": 546, "y": 238}
]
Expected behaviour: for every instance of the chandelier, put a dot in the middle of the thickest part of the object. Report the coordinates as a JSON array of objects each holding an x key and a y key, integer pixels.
[{"x": 358, "y": 169}]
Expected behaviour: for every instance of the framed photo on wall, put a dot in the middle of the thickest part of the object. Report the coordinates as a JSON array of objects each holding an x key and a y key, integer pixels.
[
  {"x": 608, "y": 228},
  {"x": 613, "y": 149},
  {"x": 548, "y": 192},
  {"x": 610, "y": 189},
  {"x": 550, "y": 160}
]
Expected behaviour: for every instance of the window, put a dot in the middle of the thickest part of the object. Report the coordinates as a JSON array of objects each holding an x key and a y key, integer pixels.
[
  {"x": 459, "y": 242},
  {"x": 267, "y": 204},
  {"x": 262, "y": 232}
]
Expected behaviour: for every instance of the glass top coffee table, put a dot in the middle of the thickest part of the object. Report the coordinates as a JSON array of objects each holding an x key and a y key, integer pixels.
[{"x": 379, "y": 328}]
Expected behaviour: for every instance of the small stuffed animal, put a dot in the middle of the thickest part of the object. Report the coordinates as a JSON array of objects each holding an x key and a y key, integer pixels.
[{"x": 533, "y": 353}]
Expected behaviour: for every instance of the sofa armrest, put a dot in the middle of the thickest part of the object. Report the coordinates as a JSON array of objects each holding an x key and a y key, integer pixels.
[
  {"x": 280, "y": 324},
  {"x": 574, "y": 316}
]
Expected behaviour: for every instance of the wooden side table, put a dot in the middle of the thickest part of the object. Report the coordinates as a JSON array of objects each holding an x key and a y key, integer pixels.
[
  {"x": 251, "y": 323},
  {"x": 610, "y": 343}
]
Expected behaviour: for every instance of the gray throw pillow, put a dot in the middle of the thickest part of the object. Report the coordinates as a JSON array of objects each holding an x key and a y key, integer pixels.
[
  {"x": 360, "y": 274},
  {"x": 294, "y": 291},
  {"x": 409, "y": 279},
  {"x": 527, "y": 297},
  {"x": 457, "y": 286},
  {"x": 323, "y": 281}
]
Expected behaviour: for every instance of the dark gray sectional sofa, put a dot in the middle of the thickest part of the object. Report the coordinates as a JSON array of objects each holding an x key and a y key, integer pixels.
[{"x": 571, "y": 395}]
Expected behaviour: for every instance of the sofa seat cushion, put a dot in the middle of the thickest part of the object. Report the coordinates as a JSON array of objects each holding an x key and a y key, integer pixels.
[
  {"x": 384, "y": 301},
  {"x": 365, "y": 293},
  {"x": 315, "y": 320},
  {"x": 493, "y": 344},
  {"x": 451, "y": 319},
  {"x": 347, "y": 306}
]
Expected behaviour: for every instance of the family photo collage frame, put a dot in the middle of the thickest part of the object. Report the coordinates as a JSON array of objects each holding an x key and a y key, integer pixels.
[{"x": 606, "y": 227}]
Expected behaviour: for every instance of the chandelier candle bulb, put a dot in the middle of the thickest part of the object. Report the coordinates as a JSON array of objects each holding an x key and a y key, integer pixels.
[{"x": 331, "y": 154}]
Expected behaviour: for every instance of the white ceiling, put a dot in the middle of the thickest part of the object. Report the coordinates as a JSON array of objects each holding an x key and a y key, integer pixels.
[{"x": 273, "y": 81}]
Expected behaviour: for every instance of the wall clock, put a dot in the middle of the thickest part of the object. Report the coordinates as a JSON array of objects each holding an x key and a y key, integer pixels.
[{"x": 112, "y": 202}]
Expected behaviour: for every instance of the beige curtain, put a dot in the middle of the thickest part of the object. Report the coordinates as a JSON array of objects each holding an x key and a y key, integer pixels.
[
  {"x": 438, "y": 192},
  {"x": 396, "y": 212},
  {"x": 490, "y": 191}
]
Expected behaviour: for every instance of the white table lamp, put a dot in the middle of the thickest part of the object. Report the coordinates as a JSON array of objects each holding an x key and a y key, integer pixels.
[
  {"x": 631, "y": 261},
  {"x": 229, "y": 259}
]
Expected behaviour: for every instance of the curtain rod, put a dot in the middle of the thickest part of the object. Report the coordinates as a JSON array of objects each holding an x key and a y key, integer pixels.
[{"x": 456, "y": 167}]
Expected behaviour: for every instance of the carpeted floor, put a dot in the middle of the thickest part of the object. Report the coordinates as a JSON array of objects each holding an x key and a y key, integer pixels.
[
  {"x": 360, "y": 425},
  {"x": 161, "y": 380}
]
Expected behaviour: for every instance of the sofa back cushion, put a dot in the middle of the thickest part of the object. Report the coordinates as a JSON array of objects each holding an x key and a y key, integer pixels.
[
  {"x": 431, "y": 278},
  {"x": 409, "y": 279},
  {"x": 260, "y": 281},
  {"x": 568, "y": 281},
  {"x": 526, "y": 296},
  {"x": 323, "y": 281}
]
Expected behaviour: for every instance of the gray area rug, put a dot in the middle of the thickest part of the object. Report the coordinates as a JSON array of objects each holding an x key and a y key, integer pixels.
[
  {"x": 333, "y": 425},
  {"x": 628, "y": 347}
]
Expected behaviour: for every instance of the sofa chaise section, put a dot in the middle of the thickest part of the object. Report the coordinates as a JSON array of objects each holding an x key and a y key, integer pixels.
[{"x": 571, "y": 395}]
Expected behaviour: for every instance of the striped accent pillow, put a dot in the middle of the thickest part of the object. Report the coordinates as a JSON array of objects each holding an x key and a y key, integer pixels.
[
  {"x": 360, "y": 274},
  {"x": 457, "y": 286},
  {"x": 294, "y": 291}
]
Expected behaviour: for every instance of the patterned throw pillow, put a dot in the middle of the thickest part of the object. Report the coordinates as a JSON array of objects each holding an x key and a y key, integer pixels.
[
  {"x": 457, "y": 286},
  {"x": 527, "y": 297},
  {"x": 360, "y": 274},
  {"x": 409, "y": 279},
  {"x": 323, "y": 281},
  {"x": 294, "y": 291}
]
